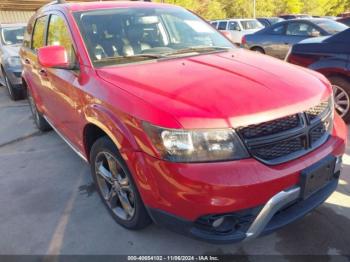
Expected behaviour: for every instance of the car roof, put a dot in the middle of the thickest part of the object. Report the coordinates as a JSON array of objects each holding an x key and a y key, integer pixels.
[
  {"x": 303, "y": 20},
  {"x": 310, "y": 19},
  {"x": 234, "y": 19},
  {"x": 240, "y": 19},
  {"x": 100, "y": 5}
]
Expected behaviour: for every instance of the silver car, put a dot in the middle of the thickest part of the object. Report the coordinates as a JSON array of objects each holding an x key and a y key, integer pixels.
[
  {"x": 277, "y": 39},
  {"x": 235, "y": 29},
  {"x": 11, "y": 37}
]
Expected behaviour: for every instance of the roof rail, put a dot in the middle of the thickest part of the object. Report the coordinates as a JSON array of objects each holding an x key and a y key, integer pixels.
[{"x": 55, "y": 2}]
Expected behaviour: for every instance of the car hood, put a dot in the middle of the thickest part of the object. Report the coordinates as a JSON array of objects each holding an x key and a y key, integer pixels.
[
  {"x": 11, "y": 50},
  {"x": 228, "y": 89}
]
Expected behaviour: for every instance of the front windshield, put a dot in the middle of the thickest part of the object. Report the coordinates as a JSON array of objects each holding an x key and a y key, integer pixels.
[
  {"x": 331, "y": 26},
  {"x": 12, "y": 35},
  {"x": 251, "y": 24},
  {"x": 126, "y": 35}
]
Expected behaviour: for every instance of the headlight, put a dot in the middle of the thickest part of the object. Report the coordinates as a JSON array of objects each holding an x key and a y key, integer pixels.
[
  {"x": 14, "y": 61},
  {"x": 202, "y": 145}
]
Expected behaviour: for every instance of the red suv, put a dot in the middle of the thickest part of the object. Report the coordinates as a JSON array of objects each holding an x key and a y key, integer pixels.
[{"x": 181, "y": 127}]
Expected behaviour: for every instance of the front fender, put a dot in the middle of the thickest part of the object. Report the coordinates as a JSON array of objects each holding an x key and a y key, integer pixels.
[
  {"x": 126, "y": 143},
  {"x": 112, "y": 126}
]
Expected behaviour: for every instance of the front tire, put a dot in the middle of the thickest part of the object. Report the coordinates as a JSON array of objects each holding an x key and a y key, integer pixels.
[
  {"x": 39, "y": 120},
  {"x": 341, "y": 92},
  {"x": 116, "y": 187}
]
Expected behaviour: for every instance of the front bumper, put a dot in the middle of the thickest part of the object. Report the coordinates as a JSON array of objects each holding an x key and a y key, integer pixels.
[
  {"x": 180, "y": 195},
  {"x": 15, "y": 76},
  {"x": 277, "y": 213}
]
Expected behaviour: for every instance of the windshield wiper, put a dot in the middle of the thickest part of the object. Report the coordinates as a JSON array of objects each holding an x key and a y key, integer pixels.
[
  {"x": 199, "y": 49},
  {"x": 127, "y": 58}
]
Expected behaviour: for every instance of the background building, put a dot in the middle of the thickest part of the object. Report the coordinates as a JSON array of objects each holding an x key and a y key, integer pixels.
[{"x": 17, "y": 11}]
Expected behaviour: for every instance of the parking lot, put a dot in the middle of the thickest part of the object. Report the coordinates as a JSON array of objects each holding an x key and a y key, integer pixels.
[{"x": 49, "y": 206}]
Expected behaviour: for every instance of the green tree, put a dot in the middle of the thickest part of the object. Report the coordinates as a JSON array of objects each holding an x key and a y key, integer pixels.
[{"x": 211, "y": 9}]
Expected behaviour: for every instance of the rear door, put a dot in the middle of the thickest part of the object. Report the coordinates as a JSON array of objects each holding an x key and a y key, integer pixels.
[
  {"x": 273, "y": 40},
  {"x": 235, "y": 30},
  {"x": 34, "y": 39}
]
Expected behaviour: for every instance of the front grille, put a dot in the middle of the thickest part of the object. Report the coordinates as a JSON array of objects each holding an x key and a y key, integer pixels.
[
  {"x": 271, "y": 127},
  {"x": 317, "y": 132},
  {"x": 290, "y": 137},
  {"x": 316, "y": 111},
  {"x": 17, "y": 74},
  {"x": 277, "y": 150}
]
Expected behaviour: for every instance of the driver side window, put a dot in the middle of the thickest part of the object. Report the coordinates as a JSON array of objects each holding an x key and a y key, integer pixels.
[
  {"x": 58, "y": 34},
  {"x": 301, "y": 29}
]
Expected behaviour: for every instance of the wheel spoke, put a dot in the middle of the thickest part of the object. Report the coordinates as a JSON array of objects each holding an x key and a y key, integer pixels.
[
  {"x": 343, "y": 102},
  {"x": 124, "y": 201},
  {"x": 340, "y": 95},
  {"x": 339, "y": 108},
  {"x": 104, "y": 173},
  {"x": 110, "y": 196},
  {"x": 112, "y": 164}
]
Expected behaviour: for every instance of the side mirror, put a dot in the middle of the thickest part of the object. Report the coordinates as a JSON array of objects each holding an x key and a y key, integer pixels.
[
  {"x": 237, "y": 28},
  {"x": 53, "y": 56}
]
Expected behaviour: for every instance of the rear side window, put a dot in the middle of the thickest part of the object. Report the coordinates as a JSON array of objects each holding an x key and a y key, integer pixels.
[
  {"x": 232, "y": 25},
  {"x": 58, "y": 34},
  {"x": 278, "y": 30},
  {"x": 300, "y": 29},
  {"x": 38, "y": 39},
  {"x": 222, "y": 25},
  {"x": 214, "y": 24}
]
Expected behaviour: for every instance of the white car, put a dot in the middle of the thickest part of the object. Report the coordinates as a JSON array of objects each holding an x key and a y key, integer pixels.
[{"x": 235, "y": 29}]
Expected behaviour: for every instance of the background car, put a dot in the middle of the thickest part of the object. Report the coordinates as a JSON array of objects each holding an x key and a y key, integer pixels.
[
  {"x": 277, "y": 39},
  {"x": 331, "y": 57},
  {"x": 11, "y": 37},
  {"x": 345, "y": 21},
  {"x": 269, "y": 21},
  {"x": 235, "y": 29},
  {"x": 294, "y": 16}
]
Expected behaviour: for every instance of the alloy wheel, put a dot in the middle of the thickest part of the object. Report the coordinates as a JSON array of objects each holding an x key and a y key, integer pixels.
[
  {"x": 33, "y": 108},
  {"x": 341, "y": 100},
  {"x": 115, "y": 186}
]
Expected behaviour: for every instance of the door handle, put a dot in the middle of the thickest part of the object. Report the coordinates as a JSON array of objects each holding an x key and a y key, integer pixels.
[
  {"x": 43, "y": 72},
  {"x": 27, "y": 61}
]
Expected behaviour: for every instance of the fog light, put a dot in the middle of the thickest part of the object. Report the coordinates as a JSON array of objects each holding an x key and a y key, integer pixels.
[
  {"x": 225, "y": 224},
  {"x": 218, "y": 222}
]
